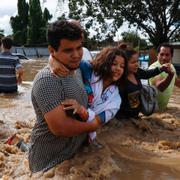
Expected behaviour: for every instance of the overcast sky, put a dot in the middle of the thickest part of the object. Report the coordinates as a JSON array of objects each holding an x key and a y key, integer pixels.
[{"x": 8, "y": 8}]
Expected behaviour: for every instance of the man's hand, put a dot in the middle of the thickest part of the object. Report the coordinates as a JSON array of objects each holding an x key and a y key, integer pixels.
[{"x": 167, "y": 68}]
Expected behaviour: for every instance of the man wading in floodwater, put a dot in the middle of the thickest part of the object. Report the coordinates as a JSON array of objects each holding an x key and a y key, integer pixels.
[{"x": 58, "y": 135}]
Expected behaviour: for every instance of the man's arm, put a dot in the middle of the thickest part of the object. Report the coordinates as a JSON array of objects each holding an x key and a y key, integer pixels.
[
  {"x": 163, "y": 83},
  {"x": 19, "y": 72},
  {"x": 62, "y": 125}
]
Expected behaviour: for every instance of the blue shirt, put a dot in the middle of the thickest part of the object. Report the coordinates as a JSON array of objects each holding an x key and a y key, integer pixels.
[{"x": 8, "y": 66}]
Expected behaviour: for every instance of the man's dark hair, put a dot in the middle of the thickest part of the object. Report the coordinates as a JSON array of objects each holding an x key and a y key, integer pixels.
[
  {"x": 7, "y": 42},
  {"x": 63, "y": 29},
  {"x": 166, "y": 45}
]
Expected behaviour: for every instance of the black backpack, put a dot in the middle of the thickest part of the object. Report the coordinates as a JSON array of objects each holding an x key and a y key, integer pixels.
[{"x": 148, "y": 99}]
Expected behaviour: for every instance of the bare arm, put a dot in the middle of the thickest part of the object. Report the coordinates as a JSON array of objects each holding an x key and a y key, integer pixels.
[
  {"x": 19, "y": 72},
  {"x": 62, "y": 125},
  {"x": 163, "y": 83}
]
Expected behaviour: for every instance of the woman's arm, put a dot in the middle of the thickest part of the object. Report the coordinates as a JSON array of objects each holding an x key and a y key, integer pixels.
[{"x": 148, "y": 73}]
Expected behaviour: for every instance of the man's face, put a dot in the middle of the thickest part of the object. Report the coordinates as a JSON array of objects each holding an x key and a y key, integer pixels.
[
  {"x": 164, "y": 55},
  {"x": 69, "y": 53}
]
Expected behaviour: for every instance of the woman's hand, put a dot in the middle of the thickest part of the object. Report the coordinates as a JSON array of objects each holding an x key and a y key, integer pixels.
[
  {"x": 71, "y": 104},
  {"x": 57, "y": 68}
]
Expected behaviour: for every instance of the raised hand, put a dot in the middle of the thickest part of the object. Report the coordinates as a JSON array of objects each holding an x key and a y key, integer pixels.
[{"x": 167, "y": 68}]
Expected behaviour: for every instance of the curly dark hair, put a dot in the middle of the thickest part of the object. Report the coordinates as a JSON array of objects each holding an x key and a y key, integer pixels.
[
  {"x": 103, "y": 62},
  {"x": 63, "y": 29}
]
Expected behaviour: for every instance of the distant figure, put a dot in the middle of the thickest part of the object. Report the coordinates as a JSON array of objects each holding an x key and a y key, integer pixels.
[
  {"x": 11, "y": 70},
  {"x": 164, "y": 82}
]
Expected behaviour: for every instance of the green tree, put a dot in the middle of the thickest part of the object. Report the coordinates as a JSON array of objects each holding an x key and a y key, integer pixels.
[
  {"x": 35, "y": 22},
  {"x": 1, "y": 33},
  {"x": 1, "y": 36},
  {"x": 46, "y": 17},
  {"x": 19, "y": 23},
  {"x": 91, "y": 17},
  {"x": 157, "y": 19},
  {"x": 134, "y": 40},
  {"x": 38, "y": 21}
]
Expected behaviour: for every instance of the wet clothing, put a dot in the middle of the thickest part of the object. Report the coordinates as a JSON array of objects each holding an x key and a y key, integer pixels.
[
  {"x": 131, "y": 101},
  {"x": 46, "y": 149},
  {"x": 8, "y": 65},
  {"x": 163, "y": 97},
  {"x": 104, "y": 103}
]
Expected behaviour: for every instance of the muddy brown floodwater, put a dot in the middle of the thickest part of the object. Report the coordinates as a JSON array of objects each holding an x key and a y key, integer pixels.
[{"x": 150, "y": 150}]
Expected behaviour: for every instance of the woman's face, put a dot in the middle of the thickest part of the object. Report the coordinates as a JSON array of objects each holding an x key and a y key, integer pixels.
[
  {"x": 133, "y": 64},
  {"x": 117, "y": 68}
]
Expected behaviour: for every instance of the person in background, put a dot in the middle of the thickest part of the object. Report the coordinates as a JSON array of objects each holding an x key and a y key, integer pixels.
[
  {"x": 165, "y": 81},
  {"x": 59, "y": 134},
  {"x": 11, "y": 70},
  {"x": 101, "y": 79},
  {"x": 131, "y": 102}
]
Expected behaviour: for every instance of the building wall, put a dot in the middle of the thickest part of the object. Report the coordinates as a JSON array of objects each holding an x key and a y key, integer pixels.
[
  {"x": 32, "y": 51},
  {"x": 176, "y": 56}
]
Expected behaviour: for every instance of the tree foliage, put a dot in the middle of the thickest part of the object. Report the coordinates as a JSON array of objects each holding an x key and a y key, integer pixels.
[
  {"x": 159, "y": 19},
  {"x": 19, "y": 23},
  {"x": 134, "y": 40},
  {"x": 93, "y": 19},
  {"x": 38, "y": 21},
  {"x": 35, "y": 22},
  {"x": 29, "y": 26},
  {"x": 1, "y": 33}
]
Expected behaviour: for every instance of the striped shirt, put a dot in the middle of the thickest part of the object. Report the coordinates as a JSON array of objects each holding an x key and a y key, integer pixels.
[
  {"x": 8, "y": 66},
  {"x": 47, "y": 150}
]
